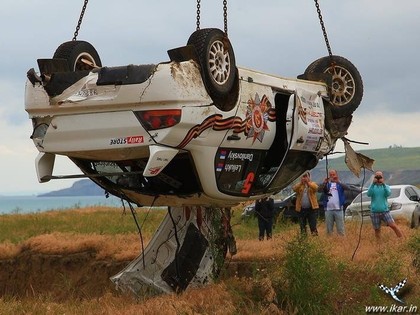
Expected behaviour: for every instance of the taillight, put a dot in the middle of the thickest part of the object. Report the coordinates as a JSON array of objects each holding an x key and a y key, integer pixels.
[{"x": 158, "y": 119}]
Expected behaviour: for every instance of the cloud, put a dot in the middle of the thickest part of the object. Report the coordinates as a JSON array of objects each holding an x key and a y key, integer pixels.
[
  {"x": 282, "y": 38},
  {"x": 384, "y": 129}
]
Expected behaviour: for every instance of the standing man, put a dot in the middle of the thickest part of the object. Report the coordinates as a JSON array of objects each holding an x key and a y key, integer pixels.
[
  {"x": 307, "y": 203},
  {"x": 333, "y": 201},
  {"x": 379, "y": 192},
  {"x": 264, "y": 209}
]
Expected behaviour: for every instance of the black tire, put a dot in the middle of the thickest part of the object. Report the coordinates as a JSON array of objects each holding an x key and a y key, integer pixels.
[
  {"x": 346, "y": 87},
  {"x": 75, "y": 51},
  {"x": 217, "y": 61}
]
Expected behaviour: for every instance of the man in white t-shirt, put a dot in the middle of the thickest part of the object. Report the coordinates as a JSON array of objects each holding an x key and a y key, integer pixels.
[{"x": 333, "y": 201}]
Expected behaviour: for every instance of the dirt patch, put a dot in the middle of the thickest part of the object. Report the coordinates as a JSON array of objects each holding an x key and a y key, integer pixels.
[{"x": 77, "y": 275}]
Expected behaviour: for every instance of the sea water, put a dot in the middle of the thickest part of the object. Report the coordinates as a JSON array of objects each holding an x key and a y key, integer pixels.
[{"x": 28, "y": 204}]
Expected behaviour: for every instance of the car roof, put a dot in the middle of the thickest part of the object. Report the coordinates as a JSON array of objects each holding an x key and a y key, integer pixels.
[
  {"x": 393, "y": 187},
  {"x": 401, "y": 186}
]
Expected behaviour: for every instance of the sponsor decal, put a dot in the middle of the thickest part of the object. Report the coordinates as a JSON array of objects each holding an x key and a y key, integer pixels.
[
  {"x": 87, "y": 92},
  {"x": 309, "y": 107},
  {"x": 241, "y": 156},
  {"x": 127, "y": 140},
  {"x": 135, "y": 139},
  {"x": 301, "y": 111},
  {"x": 154, "y": 170},
  {"x": 233, "y": 168}
]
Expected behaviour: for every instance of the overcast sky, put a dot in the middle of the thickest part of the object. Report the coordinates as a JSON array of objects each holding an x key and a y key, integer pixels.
[{"x": 380, "y": 37}]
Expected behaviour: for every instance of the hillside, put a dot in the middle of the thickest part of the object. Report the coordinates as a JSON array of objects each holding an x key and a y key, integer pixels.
[
  {"x": 389, "y": 159},
  {"x": 84, "y": 187},
  {"x": 399, "y": 165}
]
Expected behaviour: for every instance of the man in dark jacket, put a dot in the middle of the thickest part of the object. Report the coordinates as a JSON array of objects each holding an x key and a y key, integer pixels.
[{"x": 264, "y": 209}]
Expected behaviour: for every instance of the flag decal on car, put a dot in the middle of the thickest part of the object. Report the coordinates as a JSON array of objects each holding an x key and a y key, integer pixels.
[{"x": 259, "y": 112}]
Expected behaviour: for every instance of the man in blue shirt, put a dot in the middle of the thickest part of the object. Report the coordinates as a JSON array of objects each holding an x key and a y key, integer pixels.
[{"x": 379, "y": 192}]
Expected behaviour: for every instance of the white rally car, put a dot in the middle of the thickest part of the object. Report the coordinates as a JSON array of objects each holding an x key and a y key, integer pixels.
[{"x": 195, "y": 131}]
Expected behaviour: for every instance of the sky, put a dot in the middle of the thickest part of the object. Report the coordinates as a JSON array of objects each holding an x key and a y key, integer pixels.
[{"x": 381, "y": 38}]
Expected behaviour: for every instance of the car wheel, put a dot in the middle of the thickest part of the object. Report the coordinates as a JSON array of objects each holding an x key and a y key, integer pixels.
[
  {"x": 217, "y": 61},
  {"x": 80, "y": 55},
  {"x": 346, "y": 86}
]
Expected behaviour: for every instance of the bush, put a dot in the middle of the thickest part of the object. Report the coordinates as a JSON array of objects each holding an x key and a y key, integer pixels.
[{"x": 309, "y": 279}]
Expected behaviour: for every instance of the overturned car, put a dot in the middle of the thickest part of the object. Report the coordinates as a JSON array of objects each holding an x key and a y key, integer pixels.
[{"x": 195, "y": 132}]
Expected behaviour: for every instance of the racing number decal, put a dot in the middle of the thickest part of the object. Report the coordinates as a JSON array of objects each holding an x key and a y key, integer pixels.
[{"x": 248, "y": 183}]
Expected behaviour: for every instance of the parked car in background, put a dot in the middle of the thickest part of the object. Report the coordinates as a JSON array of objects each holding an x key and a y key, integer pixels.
[
  {"x": 286, "y": 208},
  {"x": 404, "y": 203}
]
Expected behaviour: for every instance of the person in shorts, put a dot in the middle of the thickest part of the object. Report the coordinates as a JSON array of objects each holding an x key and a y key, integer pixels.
[{"x": 379, "y": 192}]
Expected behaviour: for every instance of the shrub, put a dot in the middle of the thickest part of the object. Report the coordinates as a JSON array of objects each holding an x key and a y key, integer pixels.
[{"x": 309, "y": 279}]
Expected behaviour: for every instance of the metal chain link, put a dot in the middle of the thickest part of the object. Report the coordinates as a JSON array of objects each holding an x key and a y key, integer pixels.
[
  {"x": 323, "y": 28},
  {"x": 225, "y": 16},
  {"x": 198, "y": 15},
  {"x": 80, "y": 19}
]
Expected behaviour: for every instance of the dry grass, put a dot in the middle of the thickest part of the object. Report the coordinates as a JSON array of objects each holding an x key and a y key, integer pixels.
[
  {"x": 214, "y": 299},
  {"x": 118, "y": 247},
  {"x": 358, "y": 259}
]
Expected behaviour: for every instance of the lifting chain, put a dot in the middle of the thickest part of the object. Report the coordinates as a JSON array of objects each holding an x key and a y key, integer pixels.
[
  {"x": 323, "y": 28},
  {"x": 198, "y": 15},
  {"x": 80, "y": 19},
  {"x": 224, "y": 15}
]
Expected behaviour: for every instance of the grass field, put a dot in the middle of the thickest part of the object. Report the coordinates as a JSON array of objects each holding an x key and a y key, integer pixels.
[{"x": 287, "y": 275}]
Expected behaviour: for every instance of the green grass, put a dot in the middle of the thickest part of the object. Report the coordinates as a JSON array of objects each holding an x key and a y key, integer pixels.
[
  {"x": 20, "y": 227},
  {"x": 16, "y": 228}
]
